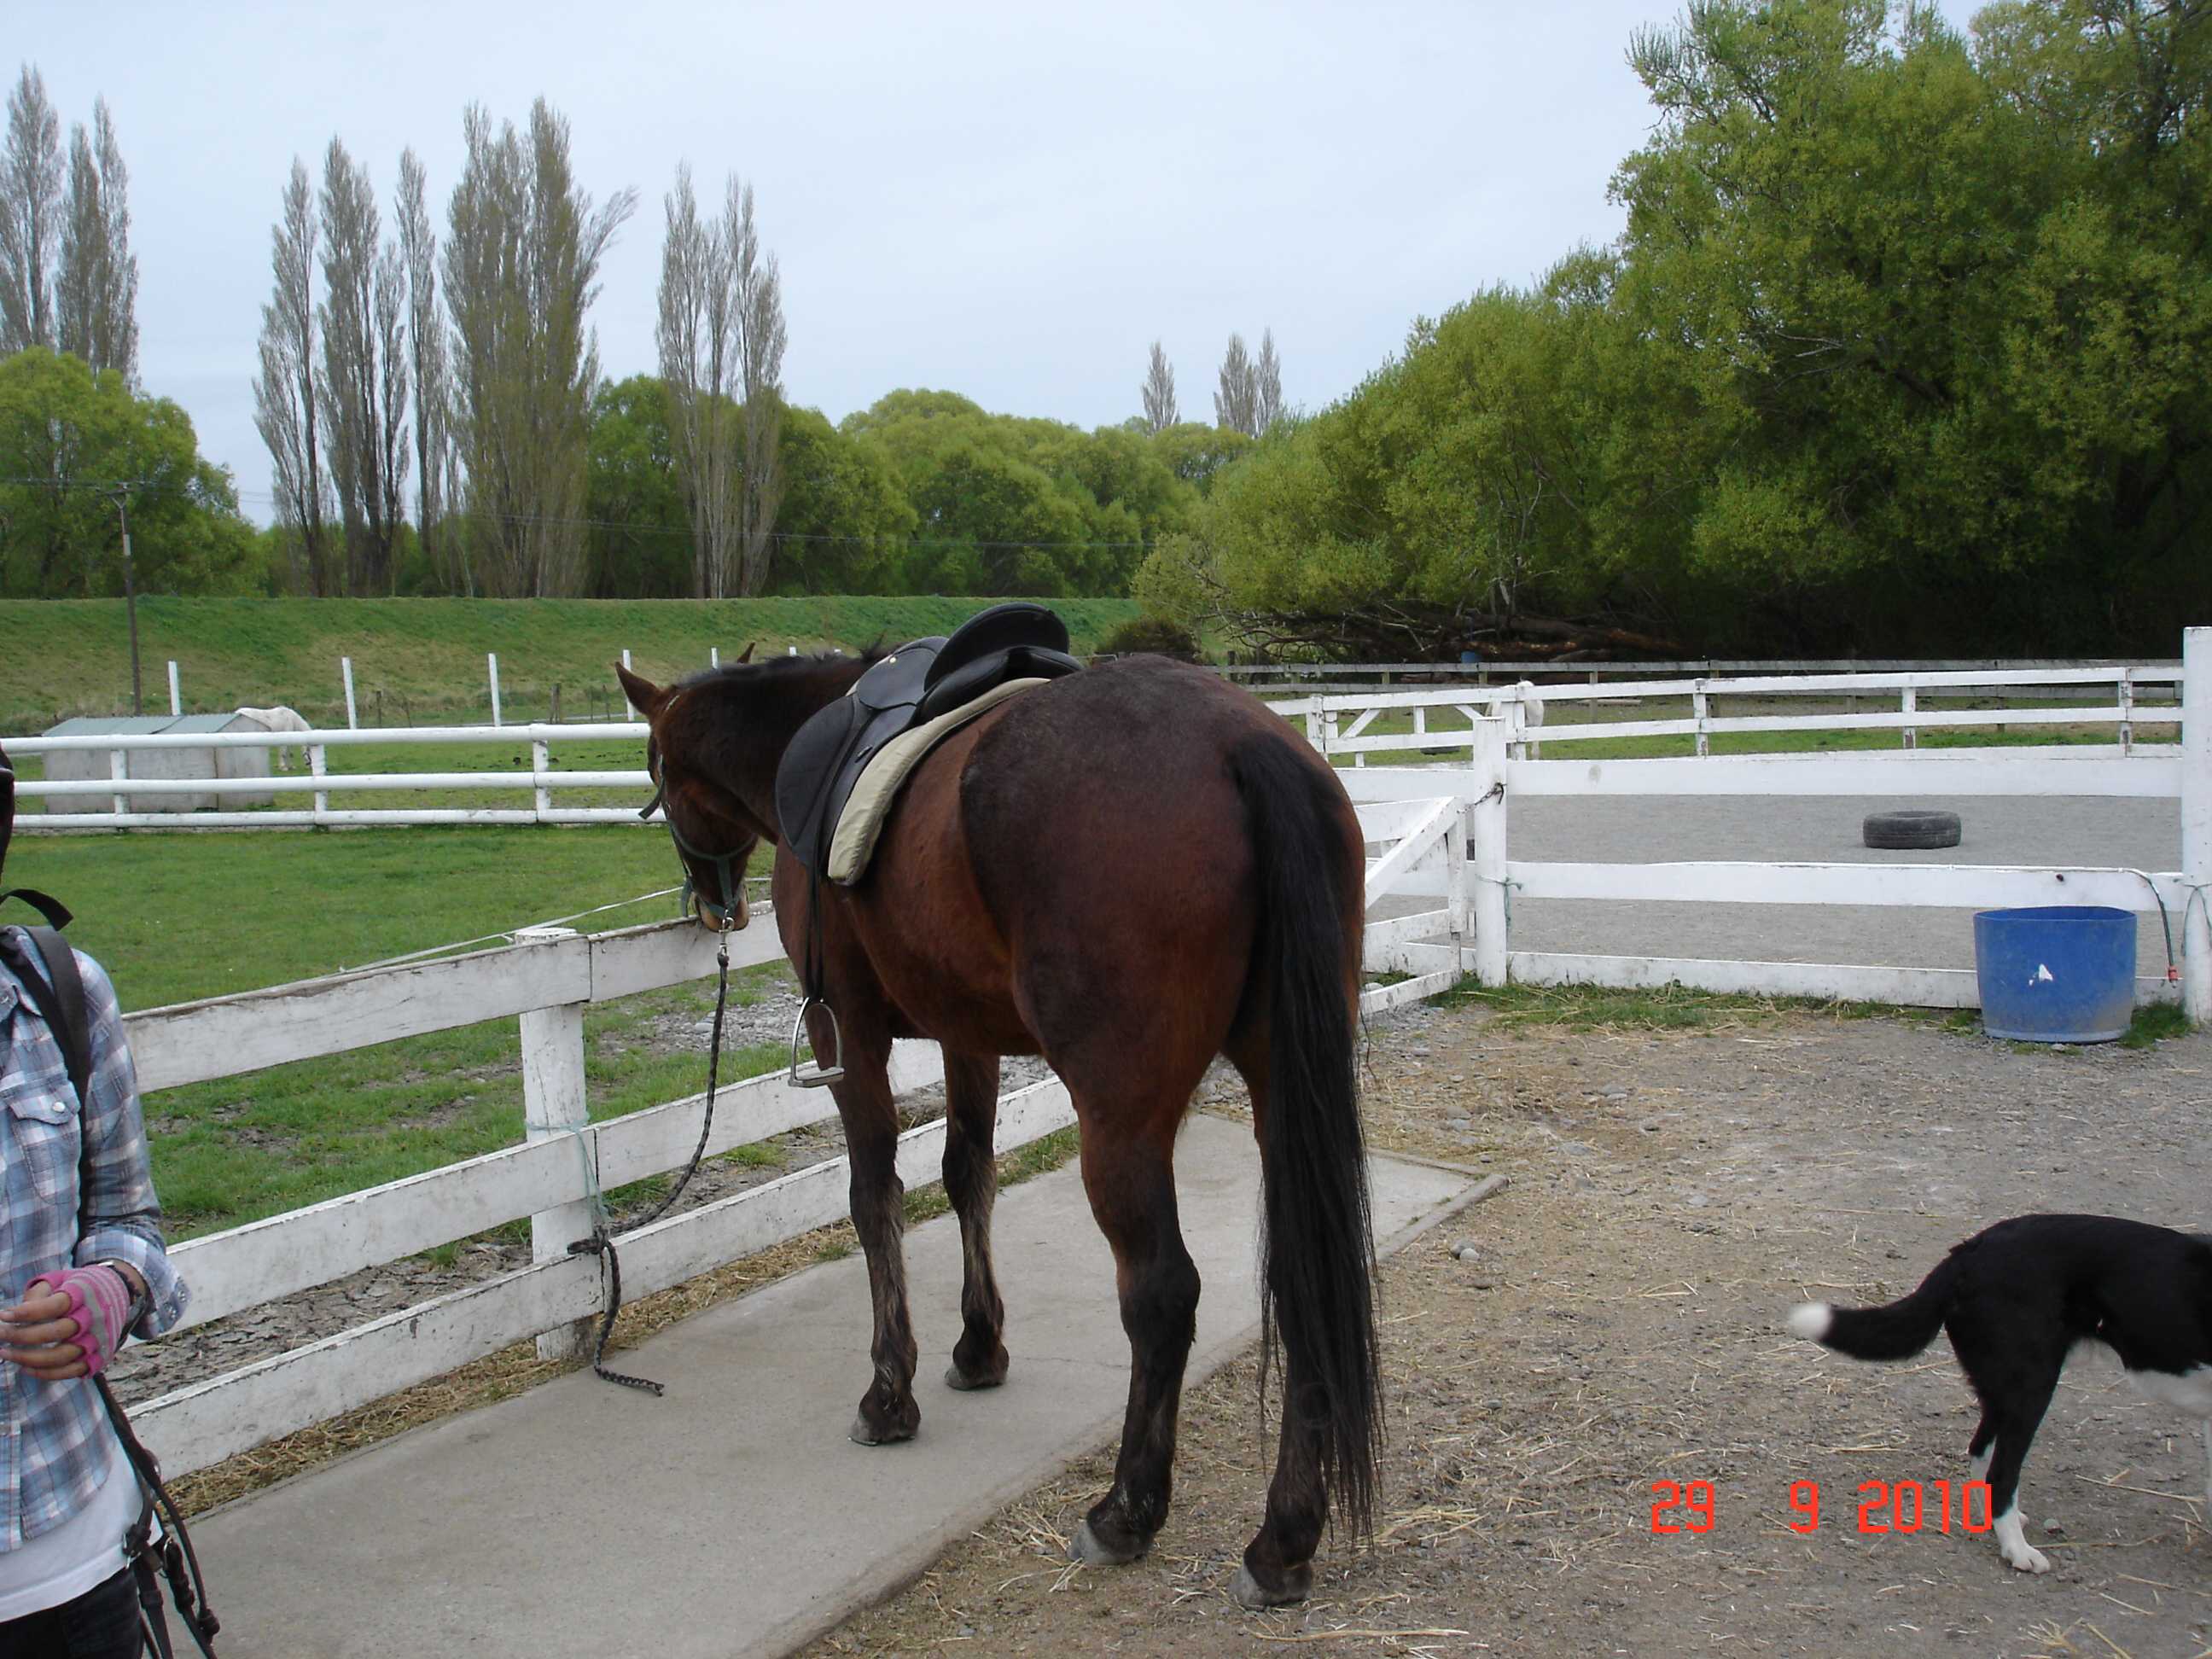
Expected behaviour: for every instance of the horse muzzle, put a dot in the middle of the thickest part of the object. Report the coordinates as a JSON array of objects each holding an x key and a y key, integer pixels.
[{"x": 716, "y": 920}]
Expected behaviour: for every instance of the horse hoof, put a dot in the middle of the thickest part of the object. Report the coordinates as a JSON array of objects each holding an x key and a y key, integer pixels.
[
  {"x": 954, "y": 1379},
  {"x": 1092, "y": 1551},
  {"x": 1250, "y": 1592},
  {"x": 865, "y": 1433}
]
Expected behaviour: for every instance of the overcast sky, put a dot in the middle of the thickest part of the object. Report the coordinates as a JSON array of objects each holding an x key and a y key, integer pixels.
[{"x": 1008, "y": 201}]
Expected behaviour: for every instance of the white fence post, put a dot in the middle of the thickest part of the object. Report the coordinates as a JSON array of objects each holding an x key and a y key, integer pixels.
[
  {"x": 1455, "y": 887},
  {"x": 629, "y": 712},
  {"x": 176, "y": 695},
  {"x": 491, "y": 662},
  {"x": 713, "y": 656},
  {"x": 553, "y": 1104},
  {"x": 2127, "y": 711},
  {"x": 345, "y": 668},
  {"x": 1910, "y": 701},
  {"x": 2196, "y": 824},
  {"x": 318, "y": 764},
  {"x": 1486, "y": 847},
  {"x": 1701, "y": 711},
  {"x": 541, "y": 761},
  {"x": 119, "y": 767}
]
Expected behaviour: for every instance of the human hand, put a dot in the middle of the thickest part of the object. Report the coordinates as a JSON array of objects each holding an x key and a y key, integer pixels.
[{"x": 69, "y": 1323}]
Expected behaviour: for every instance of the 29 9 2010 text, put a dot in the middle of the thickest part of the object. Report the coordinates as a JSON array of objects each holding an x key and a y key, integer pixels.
[{"x": 1901, "y": 1506}]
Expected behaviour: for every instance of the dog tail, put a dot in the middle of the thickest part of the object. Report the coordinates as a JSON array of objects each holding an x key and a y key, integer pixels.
[{"x": 1897, "y": 1331}]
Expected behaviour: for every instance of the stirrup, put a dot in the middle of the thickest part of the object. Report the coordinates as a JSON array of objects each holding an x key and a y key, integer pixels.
[{"x": 813, "y": 1074}]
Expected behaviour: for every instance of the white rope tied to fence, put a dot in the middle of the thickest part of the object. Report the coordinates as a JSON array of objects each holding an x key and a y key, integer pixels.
[{"x": 509, "y": 932}]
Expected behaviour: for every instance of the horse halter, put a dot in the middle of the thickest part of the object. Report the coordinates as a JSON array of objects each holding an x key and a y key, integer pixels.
[
  {"x": 728, "y": 868},
  {"x": 803, "y": 1075}
]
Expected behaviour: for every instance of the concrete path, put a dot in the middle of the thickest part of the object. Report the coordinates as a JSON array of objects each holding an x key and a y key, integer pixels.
[{"x": 733, "y": 1517}]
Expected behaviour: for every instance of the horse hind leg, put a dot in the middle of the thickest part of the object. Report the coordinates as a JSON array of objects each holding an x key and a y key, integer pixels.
[
  {"x": 971, "y": 1182},
  {"x": 1131, "y": 1183}
]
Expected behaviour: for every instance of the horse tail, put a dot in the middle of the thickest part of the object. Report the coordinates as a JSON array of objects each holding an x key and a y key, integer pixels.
[{"x": 1316, "y": 1242}]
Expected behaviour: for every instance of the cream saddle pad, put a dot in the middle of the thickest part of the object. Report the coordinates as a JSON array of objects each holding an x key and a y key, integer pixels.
[{"x": 870, "y": 804}]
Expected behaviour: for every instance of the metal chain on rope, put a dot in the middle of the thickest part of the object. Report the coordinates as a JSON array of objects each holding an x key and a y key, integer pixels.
[{"x": 601, "y": 1242}]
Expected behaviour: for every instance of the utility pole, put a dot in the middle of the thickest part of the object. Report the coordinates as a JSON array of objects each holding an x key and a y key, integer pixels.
[{"x": 129, "y": 597}]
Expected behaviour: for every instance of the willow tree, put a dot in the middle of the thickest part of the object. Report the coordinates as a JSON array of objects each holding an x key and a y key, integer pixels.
[{"x": 521, "y": 265}]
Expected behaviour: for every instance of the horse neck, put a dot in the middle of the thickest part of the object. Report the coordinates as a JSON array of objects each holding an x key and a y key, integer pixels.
[{"x": 771, "y": 717}]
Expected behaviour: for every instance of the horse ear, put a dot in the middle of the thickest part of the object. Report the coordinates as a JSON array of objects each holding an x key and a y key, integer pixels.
[
  {"x": 747, "y": 655},
  {"x": 644, "y": 696}
]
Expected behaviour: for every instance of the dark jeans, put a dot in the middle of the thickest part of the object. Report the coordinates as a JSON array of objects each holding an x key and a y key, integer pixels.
[{"x": 101, "y": 1624}]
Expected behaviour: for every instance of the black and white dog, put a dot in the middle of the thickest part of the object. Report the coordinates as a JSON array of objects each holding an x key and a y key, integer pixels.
[{"x": 2015, "y": 1299}]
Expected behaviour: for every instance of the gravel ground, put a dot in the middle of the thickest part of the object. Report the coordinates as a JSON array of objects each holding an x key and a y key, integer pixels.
[{"x": 1617, "y": 1322}]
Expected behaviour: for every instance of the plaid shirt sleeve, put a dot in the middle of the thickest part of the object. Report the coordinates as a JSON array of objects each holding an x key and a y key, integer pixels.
[
  {"x": 53, "y": 1455},
  {"x": 122, "y": 1217}
]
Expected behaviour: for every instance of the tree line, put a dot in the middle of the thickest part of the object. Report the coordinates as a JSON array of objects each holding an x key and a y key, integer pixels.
[
  {"x": 1902, "y": 351},
  {"x": 437, "y": 422}
]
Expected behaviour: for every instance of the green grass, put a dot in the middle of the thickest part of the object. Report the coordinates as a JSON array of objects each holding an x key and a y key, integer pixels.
[
  {"x": 177, "y": 917},
  {"x": 1675, "y": 1007},
  {"x": 2153, "y": 1024},
  {"x": 1671, "y": 1008},
  {"x": 422, "y": 661},
  {"x": 174, "y": 918}
]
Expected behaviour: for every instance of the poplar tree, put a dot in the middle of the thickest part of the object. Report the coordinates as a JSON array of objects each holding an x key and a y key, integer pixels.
[
  {"x": 284, "y": 405},
  {"x": 1159, "y": 394},
  {"x": 96, "y": 285},
  {"x": 30, "y": 215},
  {"x": 521, "y": 263}
]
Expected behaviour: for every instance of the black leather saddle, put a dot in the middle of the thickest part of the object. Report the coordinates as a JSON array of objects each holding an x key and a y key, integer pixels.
[{"x": 920, "y": 680}]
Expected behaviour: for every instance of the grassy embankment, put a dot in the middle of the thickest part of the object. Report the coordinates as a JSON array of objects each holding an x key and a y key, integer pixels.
[{"x": 422, "y": 661}]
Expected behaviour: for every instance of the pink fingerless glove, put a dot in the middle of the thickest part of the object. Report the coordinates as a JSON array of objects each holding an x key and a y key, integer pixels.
[{"x": 99, "y": 1302}]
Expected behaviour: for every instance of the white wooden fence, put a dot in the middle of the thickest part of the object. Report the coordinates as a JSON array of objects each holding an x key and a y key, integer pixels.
[
  {"x": 540, "y": 780},
  {"x": 546, "y": 979},
  {"x": 1443, "y": 718},
  {"x": 1494, "y": 775},
  {"x": 1342, "y": 725}
]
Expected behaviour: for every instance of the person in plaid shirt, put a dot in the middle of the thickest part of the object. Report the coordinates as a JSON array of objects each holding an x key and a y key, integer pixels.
[{"x": 79, "y": 1269}]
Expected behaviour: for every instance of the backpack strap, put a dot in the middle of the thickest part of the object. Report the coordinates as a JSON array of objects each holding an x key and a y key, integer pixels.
[
  {"x": 59, "y": 995},
  {"x": 56, "y": 912}
]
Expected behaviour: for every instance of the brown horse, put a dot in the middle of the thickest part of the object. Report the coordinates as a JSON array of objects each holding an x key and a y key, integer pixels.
[{"x": 1127, "y": 871}]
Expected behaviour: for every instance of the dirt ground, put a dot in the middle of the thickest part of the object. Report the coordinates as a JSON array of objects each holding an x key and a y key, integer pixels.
[{"x": 1673, "y": 1193}]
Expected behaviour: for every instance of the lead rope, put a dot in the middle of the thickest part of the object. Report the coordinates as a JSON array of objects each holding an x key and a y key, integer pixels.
[{"x": 602, "y": 1244}]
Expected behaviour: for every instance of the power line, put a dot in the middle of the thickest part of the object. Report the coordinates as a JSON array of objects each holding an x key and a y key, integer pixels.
[{"x": 774, "y": 535}]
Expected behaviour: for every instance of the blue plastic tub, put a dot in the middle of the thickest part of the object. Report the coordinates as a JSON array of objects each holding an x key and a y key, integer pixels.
[{"x": 2059, "y": 973}]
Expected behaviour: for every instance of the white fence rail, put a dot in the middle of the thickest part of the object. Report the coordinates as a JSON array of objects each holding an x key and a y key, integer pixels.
[
  {"x": 1338, "y": 723},
  {"x": 546, "y": 979},
  {"x": 1444, "y": 720},
  {"x": 540, "y": 779}
]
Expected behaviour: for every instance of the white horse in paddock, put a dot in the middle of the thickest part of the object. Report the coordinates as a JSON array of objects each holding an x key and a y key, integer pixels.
[{"x": 279, "y": 719}]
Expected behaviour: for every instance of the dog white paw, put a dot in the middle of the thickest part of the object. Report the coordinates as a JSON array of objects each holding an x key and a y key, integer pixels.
[{"x": 2027, "y": 1559}]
